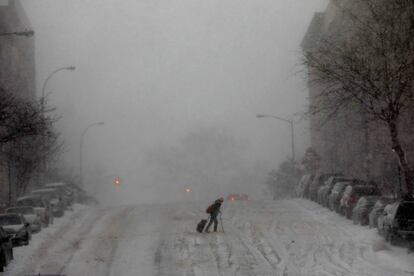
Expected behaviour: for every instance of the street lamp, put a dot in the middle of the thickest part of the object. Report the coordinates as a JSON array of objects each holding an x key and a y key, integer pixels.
[
  {"x": 27, "y": 33},
  {"x": 259, "y": 116},
  {"x": 42, "y": 100},
  {"x": 68, "y": 68},
  {"x": 81, "y": 149}
]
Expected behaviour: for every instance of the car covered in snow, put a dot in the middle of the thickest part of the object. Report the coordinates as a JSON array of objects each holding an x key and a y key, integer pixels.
[
  {"x": 66, "y": 193},
  {"x": 233, "y": 197},
  {"x": 336, "y": 194},
  {"x": 17, "y": 228},
  {"x": 317, "y": 182},
  {"x": 302, "y": 189},
  {"x": 378, "y": 210},
  {"x": 6, "y": 249},
  {"x": 55, "y": 200},
  {"x": 325, "y": 190},
  {"x": 361, "y": 211},
  {"x": 351, "y": 196},
  {"x": 30, "y": 216},
  {"x": 397, "y": 221},
  {"x": 40, "y": 205}
]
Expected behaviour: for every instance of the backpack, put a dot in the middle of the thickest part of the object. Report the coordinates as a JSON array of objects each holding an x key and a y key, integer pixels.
[{"x": 209, "y": 209}]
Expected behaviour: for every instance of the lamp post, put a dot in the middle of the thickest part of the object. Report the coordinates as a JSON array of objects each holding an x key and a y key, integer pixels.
[
  {"x": 42, "y": 102},
  {"x": 68, "y": 68},
  {"x": 27, "y": 33},
  {"x": 259, "y": 116},
  {"x": 81, "y": 149}
]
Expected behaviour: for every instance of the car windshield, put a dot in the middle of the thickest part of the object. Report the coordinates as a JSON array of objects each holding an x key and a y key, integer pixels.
[
  {"x": 362, "y": 203},
  {"x": 363, "y": 190},
  {"x": 406, "y": 210},
  {"x": 47, "y": 195},
  {"x": 339, "y": 187},
  {"x": 34, "y": 202},
  {"x": 10, "y": 220},
  {"x": 23, "y": 210}
]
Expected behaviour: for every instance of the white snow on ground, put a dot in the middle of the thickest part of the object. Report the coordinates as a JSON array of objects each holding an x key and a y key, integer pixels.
[{"x": 287, "y": 237}]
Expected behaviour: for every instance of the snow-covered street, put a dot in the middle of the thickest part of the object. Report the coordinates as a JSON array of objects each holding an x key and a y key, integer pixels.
[{"x": 287, "y": 237}]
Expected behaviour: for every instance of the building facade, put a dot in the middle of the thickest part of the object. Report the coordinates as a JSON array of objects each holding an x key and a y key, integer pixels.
[
  {"x": 350, "y": 143},
  {"x": 17, "y": 69}
]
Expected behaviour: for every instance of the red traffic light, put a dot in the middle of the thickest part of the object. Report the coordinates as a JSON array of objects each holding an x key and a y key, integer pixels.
[{"x": 116, "y": 181}]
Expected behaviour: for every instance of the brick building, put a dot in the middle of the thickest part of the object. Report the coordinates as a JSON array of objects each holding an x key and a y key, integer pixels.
[
  {"x": 17, "y": 67},
  {"x": 350, "y": 143}
]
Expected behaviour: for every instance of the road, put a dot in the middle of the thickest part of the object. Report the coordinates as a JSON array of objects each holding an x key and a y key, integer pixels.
[{"x": 286, "y": 237}]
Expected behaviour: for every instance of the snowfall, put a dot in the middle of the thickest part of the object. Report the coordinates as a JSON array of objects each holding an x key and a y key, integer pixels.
[{"x": 285, "y": 237}]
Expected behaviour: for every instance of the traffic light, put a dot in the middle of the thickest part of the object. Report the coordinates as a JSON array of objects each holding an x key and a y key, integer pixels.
[
  {"x": 188, "y": 190},
  {"x": 116, "y": 181}
]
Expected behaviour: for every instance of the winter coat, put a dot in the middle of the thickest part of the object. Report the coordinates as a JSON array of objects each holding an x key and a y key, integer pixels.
[{"x": 215, "y": 209}]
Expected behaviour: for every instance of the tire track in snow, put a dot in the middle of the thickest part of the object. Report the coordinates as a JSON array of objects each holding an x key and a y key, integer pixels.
[{"x": 97, "y": 245}]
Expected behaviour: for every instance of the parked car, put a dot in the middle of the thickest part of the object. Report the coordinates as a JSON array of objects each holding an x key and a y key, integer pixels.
[
  {"x": 233, "y": 197},
  {"x": 318, "y": 181},
  {"x": 41, "y": 206},
  {"x": 397, "y": 222},
  {"x": 64, "y": 191},
  {"x": 302, "y": 189},
  {"x": 55, "y": 199},
  {"x": 17, "y": 228},
  {"x": 325, "y": 190},
  {"x": 29, "y": 215},
  {"x": 351, "y": 196},
  {"x": 336, "y": 194},
  {"x": 378, "y": 210},
  {"x": 362, "y": 209},
  {"x": 6, "y": 249},
  {"x": 78, "y": 193}
]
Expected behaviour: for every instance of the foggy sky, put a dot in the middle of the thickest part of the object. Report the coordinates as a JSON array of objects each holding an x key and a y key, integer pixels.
[{"x": 154, "y": 69}]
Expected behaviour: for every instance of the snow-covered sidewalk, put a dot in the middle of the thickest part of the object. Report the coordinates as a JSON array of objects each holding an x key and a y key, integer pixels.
[{"x": 49, "y": 244}]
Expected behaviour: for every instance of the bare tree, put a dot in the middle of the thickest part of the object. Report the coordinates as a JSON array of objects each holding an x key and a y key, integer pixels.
[
  {"x": 27, "y": 138},
  {"x": 282, "y": 182},
  {"x": 366, "y": 60},
  {"x": 19, "y": 118},
  {"x": 28, "y": 154}
]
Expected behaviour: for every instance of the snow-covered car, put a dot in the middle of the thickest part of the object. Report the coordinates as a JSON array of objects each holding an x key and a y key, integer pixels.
[
  {"x": 17, "y": 228},
  {"x": 6, "y": 249},
  {"x": 55, "y": 200},
  {"x": 302, "y": 189},
  {"x": 40, "y": 205},
  {"x": 317, "y": 182},
  {"x": 351, "y": 196},
  {"x": 29, "y": 215},
  {"x": 64, "y": 191},
  {"x": 336, "y": 194},
  {"x": 325, "y": 190},
  {"x": 397, "y": 222},
  {"x": 363, "y": 208},
  {"x": 378, "y": 210}
]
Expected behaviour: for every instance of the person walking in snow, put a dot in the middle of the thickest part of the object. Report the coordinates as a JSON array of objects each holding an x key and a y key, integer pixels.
[{"x": 214, "y": 211}]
